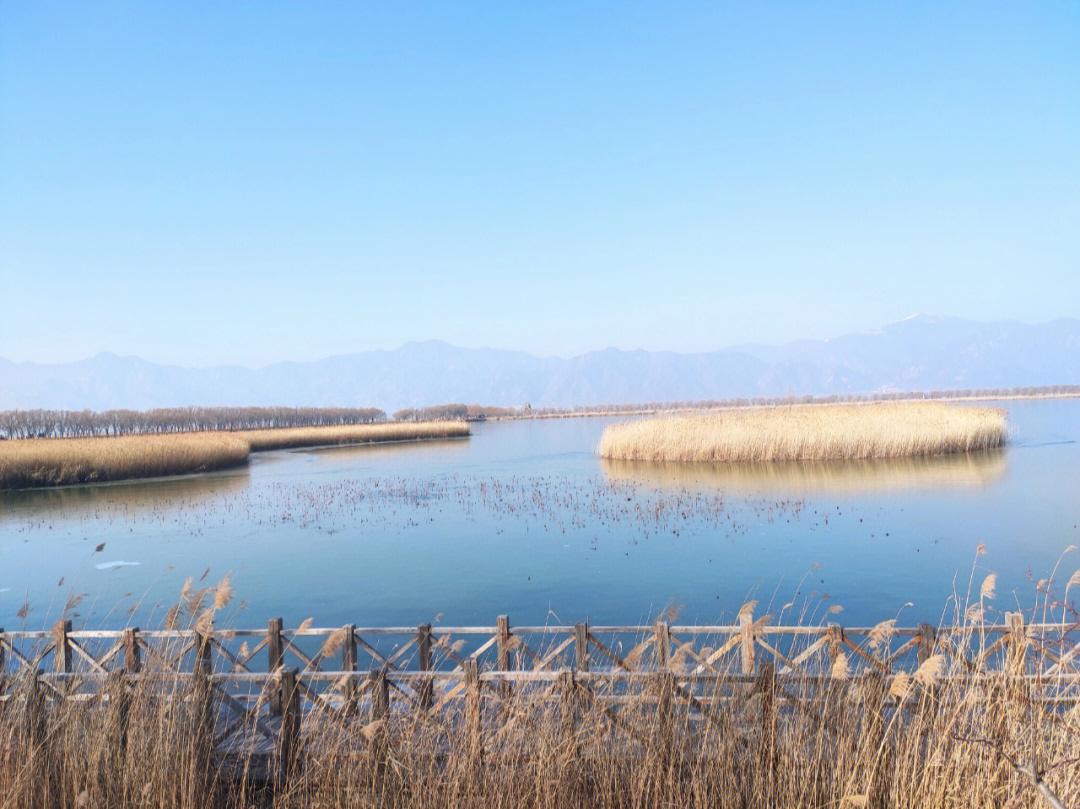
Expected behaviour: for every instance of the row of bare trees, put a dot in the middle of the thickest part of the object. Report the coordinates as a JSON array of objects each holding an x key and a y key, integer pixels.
[
  {"x": 443, "y": 412},
  {"x": 88, "y": 423},
  {"x": 478, "y": 412},
  {"x": 454, "y": 411},
  {"x": 701, "y": 404}
]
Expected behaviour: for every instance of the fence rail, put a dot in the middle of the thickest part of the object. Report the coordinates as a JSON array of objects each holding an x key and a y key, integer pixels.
[
  {"x": 678, "y": 648},
  {"x": 265, "y": 685}
]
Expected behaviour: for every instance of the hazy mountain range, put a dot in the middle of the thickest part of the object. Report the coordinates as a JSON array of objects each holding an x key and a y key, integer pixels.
[{"x": 924, "y": 352}]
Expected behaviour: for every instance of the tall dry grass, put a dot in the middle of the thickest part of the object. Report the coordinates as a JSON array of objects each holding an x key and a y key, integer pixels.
[
  {"x": 292, "y": 437},
  {"x": 62, "y": 461},
  {"x": 841, "y": 735},
  {"x": 811, "y": 432},
  {"x": 41, "y": 462}
]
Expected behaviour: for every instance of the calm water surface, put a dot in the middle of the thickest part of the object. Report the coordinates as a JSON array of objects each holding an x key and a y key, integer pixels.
[{"x": 523, "y": 519}]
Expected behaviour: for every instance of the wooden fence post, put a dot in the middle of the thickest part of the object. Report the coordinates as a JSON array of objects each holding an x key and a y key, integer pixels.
[
  {"x": 423, "y": 662},
  {"x": 662, "y": 641},
  {"x": 769, "y": 758},
  {"x": 581, "y": 646},
  {"x": 927, "y": 647},
  {"x": 202, "y": 652},
  {"x": 875, "y": 692},
  {"x": 564, "y": 687},
  {"x": 567, "y": 710},
  {"x": 665, "y": 716},
  {"x": 3, "y": 656},
  {"x": 35, "y": 712},
  {"x": 380, "y": 710},
  {"x": 348, "y": 663},
  {"x": 380, "y": 693},
  {"x": 835, "y": 634},
  {"x": 473, "y": 718},
  {"x": 1018, "y": 643},
  {"x": 62, "y": 651},
  {"x": 37, "y": 763},
  {"x": 275, "y": 654},
  {"x": 746, "y": 645},
  {"x": 289, "y": 741},
  {"x": 927, "y": 641},
  {"x": 1016, "y": 667},
  {"x": 202, "y": 705},
  {"x": 132, "y": 652},
  {"x": 502, "y": 641},
  {"x": 119, "y": 709}
]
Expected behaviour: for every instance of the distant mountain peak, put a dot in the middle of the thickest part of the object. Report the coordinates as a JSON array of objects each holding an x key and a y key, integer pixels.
[
  {"x": 922, "y": 317},
  {"x": 920, "y": 353}
]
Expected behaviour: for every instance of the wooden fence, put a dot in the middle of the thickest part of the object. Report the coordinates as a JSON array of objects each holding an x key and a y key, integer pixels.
[{"x": 267, "y": 684}]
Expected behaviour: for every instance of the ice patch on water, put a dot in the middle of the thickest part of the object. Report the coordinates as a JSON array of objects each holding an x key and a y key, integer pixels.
[{"x": 117, "y": 563}]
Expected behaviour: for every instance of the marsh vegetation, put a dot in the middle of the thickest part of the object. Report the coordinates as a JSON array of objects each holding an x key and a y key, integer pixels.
[
  {"x": 963, "y": 721},
  {"x": 30, "y": 463},
  {"x": 291, "y": 438},
  {"x": 808, "y": 433},
  {"x": 36, "y": 462}
]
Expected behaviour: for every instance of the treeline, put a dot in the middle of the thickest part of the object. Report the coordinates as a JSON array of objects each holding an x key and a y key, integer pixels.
[
  {"x": 476, "y": 412},
  {"x": 88, "y": 423},
  {"x": 454, "y": 412}
]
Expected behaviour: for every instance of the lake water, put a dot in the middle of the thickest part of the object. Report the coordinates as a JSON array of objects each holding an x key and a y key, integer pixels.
[{"x": 523, "y": 519}]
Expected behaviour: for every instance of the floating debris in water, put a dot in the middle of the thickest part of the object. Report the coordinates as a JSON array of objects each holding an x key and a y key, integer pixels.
[{"x": 116, "y": 564}]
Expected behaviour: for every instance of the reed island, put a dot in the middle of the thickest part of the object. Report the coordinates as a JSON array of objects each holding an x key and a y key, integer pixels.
[
  {"x": 809, "y": 433},
  {"x": 72, "y": 448}
]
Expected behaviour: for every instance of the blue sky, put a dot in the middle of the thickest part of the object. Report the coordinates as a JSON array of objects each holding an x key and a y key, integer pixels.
[{"x": 250, "y": 182}]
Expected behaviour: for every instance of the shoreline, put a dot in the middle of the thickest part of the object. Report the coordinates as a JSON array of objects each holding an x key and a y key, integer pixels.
[
  {"x": 657, "y": 411},
  {"x": 58, "y": 471},
  {"x": 51, "y": 463}
]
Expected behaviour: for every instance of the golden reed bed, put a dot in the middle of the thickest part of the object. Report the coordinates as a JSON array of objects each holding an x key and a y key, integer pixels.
[
  {"x": 808, "y": 433},
  {"x": 291, "y": 437},
  {"x": 835, "y": 734},
  {"x": 32, "y": 463}
]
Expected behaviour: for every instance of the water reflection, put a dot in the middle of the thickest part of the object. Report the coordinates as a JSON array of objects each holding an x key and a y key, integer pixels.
[
  {"x": 126, "y": 498},
  {"x": 967, "y": 470}
]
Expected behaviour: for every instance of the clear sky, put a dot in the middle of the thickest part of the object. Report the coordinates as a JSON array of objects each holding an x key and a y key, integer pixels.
[{"x": 251, "y": 182}]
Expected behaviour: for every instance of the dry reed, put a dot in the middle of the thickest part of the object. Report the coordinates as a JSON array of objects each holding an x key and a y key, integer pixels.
[
  {"x": 840, "y": 735},
  {"x": 292, "y": 437},
  {"x": 812, "y": 432},
  {"x": 41, "y": 462},
  {"x": 63, "y": 461}
]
